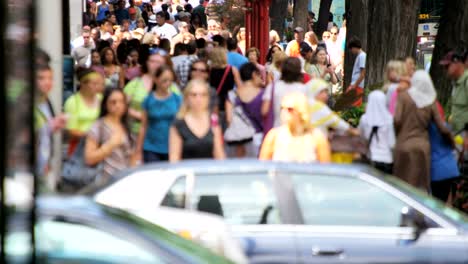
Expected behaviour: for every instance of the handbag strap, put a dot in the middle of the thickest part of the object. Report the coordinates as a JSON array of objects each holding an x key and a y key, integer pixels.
[
  {"x": 272, "y": 95},
  {"x": 247, "y": 111},
  {"x": 228, "y": 69}
]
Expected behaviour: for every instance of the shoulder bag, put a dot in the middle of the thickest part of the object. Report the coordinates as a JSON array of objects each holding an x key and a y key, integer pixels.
[
  {"x": 240, "y": 130},
  {"x": 75, "y": 173}
]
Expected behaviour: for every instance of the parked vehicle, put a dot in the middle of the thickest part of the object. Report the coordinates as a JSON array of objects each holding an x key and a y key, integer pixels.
[
  {"x": 297, "y": 213},
  {"x": 206, "y": 229},
  {"x": 77, "y": 230}
]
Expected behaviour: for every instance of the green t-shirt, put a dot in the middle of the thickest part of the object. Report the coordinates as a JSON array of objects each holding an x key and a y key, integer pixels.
[
  {"x": 81, "y": 116},
  {"x": 460, "y": 103},
  {"x": 136, "y": 94}
]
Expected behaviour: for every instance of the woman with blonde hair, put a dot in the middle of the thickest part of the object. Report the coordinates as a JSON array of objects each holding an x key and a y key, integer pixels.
[
  {"x": 193, "y": 135},
  {"x": 241, "y": 40},
  {"x": 311, "y": 39},
  {"x": 275, "y": 39},
  {"x": 295, "y": 140},
  {"x": 274, "y": 70},
  {"x": 223, "y": 78},
  {"x": 396, "y": 79}
]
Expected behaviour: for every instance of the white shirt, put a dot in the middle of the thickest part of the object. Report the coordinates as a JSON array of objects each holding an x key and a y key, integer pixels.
[
  {"x": 280, "y": 90},
  {"x": 381, "y": 147},
  {"x": 167, "y": 31},
  {"x": 79, "y": 42},
  {"x": 335, "y": 50},
  {"x": 359, "y": 63}
]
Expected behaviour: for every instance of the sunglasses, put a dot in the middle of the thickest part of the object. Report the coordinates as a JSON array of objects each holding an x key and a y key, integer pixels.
[
  {"x": 199, "y": 70},
  {"x": 333, "y": 33}
]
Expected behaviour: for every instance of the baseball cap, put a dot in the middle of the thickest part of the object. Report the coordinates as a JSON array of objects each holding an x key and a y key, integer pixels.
[
  {"x": 298, "y": 30},
  {"x": 132, "y": 11},
  {"x": 450, "y": 57}
]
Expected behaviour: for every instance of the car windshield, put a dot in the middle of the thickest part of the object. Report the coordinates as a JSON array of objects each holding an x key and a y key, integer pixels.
[{"x": 428, "y": 201}]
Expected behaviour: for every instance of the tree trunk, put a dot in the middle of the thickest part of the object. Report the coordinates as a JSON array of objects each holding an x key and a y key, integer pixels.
[
  {"x": 300, "y": 13},
  {"x": 356, "y": 26},
  {"x": 278, "y": 12},
  {"x": 392, "y": 28},
  {"x": 452, "y": 34},
  {"x": 324, "y": 14}
]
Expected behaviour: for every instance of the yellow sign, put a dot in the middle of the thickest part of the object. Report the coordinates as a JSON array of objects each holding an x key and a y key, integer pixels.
[{"x": 423, "y": 16}]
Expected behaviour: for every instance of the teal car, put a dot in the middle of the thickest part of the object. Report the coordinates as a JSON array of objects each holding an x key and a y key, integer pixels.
[{"x": 77, "y": 230}]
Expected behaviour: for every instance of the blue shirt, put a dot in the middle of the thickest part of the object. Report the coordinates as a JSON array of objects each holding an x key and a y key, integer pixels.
[
  {"x": 133, "y": 25},
  {"x": 160, "y": 114},
  {"x": 121, "y": 14},
  {"x": 236, "y": 60}
]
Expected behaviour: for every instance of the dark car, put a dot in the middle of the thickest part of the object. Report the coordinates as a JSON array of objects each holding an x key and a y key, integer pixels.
[
  {"x": 77, "y": 230},
  {"x": 298, "y": 213}
]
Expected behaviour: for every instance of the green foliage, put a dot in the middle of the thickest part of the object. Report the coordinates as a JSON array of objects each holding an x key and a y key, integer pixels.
[{"x": 353, "y": 115}]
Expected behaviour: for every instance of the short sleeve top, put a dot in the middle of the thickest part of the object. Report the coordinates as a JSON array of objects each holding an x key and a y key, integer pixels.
[
  {"x": 160, "y": 113},
  {"x": 120, "y": 157},
  {"x": 136, "y": 93},
  {"x": 81, "y": 116}
]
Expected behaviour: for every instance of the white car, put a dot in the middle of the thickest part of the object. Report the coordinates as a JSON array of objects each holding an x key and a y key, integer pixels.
[
  {"x": 208, "y": 230},
  {"x": 303, "y": 213}
]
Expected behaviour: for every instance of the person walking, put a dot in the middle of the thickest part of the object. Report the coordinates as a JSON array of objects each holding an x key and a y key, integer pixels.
[
  {"x": 139, "y": 88},
  {"x": 292, "y": 49},
  {"x": 454, "y": 64},
  {"x": 194, "y": 135},
  {"x": 321, "y": 116},
  {"x": 115, "y": 75},
  {"x": 82, "y": 108},
  {"x": 109, "y": 140},
  {"x": 295, "y": 140},
  {"x": 160, "y": 108},
  {"x": 291, "y": 81},
  {"x": 359, "y": 71},
  {"x": 46, "y": 122},
  {"x": 414, "y": 111},
  {"x": 223, "y": 78},
  {"x": 249, "y": 97},
  {"x": 253, "y": 55},
  {"x": 376, "y": 125}
]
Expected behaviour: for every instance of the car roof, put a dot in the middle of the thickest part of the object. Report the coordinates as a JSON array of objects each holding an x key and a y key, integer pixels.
[
  {"x": 210, "y": 166},
  {"x": 230, "y": 165}
]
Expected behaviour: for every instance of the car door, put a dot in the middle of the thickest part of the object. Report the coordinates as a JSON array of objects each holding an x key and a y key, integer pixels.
[
  {"x": 353, "y": 220},
  {"x": 248, "y": 201}
]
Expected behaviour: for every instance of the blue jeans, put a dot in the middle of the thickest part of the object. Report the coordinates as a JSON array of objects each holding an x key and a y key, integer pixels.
[{"x": 149, "y": 156}]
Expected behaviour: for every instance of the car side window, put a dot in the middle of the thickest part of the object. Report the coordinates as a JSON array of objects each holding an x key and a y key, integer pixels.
[
  {"x": 335, "y": 200},
  {"x": 67, "y": 242},
  {"x": 176, "y": 195},
  {"x": 240, "y": 198}
]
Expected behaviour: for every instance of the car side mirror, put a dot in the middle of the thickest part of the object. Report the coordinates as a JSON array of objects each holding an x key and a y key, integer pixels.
[{"x": 410, "y": 217}]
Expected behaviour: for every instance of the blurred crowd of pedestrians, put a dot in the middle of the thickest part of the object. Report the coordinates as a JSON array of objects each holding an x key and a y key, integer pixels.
[{"x": 161, "y": 82}]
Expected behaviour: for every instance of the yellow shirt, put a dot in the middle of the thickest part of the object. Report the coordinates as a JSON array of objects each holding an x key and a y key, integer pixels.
[
  {"x": 81, "y": 116},
  {"x": 281, "y": 145}
]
